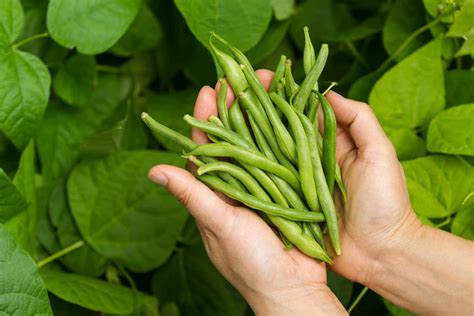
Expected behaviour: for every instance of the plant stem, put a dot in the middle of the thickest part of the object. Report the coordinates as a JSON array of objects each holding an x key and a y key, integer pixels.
[
  {"x": 31, "y": 38},
  {"x": 357, "y": 300},
  {"x": 357, "y": 55},
  {"x": 443, "y": 223},
  {"x": 61, "y": 253},
  {"x": 410, "y": 38}
]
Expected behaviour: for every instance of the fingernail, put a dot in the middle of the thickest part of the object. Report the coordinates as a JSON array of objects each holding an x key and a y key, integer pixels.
[{"x": 159, "y": 178}]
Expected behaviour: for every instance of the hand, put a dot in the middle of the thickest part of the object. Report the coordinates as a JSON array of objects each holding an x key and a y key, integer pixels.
[
  {"x": 242, "y": 246},
  {"x": 378, "y": 215}
]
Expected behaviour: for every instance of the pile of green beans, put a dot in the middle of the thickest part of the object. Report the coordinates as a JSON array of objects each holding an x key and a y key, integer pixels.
[{"x": 277, "y": 160}]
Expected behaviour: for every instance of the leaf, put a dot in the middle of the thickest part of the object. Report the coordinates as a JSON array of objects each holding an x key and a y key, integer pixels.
[
  {"x": 36, "y": 18},
  {"x": 360, "y": 89},
  {"x": 407, "y": 143},
  {"x": 190, "y": 280},
  {"x": 412, "y": 92},
  {"x": 75, "y": 82},
  {"x": 283, "y": 9},
  {"x": 399, "y": 27},
  {"x": 122, "y": 214},
  {"x": 169, "y": 110},
  {"x": 92, "y": 293},
  {"x": 269, "y": 42},
  {"x": 395, "y": 310},
  {"x": 23, "y": 226},
  {"x": 11, "y": 21},
  {"x": 456, "y": 83},
  {"x": 463, "y": 27},
  {"x": 452, "y": 131},
  {"x": 12, "y": 201},
  {"x": 241, "y": 22},
  {"x": 142, "y": 35},
  {"x": 22, "y": 292},
  {"x": 438, "y": 184},
  {"x": 83, "y": 260},
  {"x": 90, "y": 26},
  {"x": 340, "y": 286},
  {"x": 59, "y": 143},
  {"x": 463, "y": 224},
  {"x": 24, "y": 94}
]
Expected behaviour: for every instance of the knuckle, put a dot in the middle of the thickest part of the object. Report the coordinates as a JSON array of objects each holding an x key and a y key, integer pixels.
[{"x": 185, "y": 196}]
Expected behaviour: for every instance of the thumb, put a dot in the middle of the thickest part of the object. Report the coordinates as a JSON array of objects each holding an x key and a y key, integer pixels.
[{"x": 203, "y": 204}]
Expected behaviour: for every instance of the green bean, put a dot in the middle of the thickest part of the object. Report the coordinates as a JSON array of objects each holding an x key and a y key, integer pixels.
[
  {"x": 279, "y": 73},
  {"x": 288, "y": 230},
  {"x": 238, "y": 123},
  {"x": 325, "y": 197},
  {"x": 222, "y": 103},
  {"x": 307, "y": 86},
  {"x": 340, "y": 183},
  {"x": 291, "y": 196},
  {"x": 160, "y": 130},
  {"x": 219, "y": 131},
  {"x": 256, "y": 159},
  {"x": 231, "y": 69},
  {"x": 317, "y": 233},
  {"x": 282, "y": 135},
  {"x": 291, "y": 87},
  {"x": 215, "y": 120},
  {"x": 309, "y": 56},
  {"x": 281, "y": 90},
  {"x": 286, "y": 242},
  {"x": 249, "y": 104},
  {"x": 258, "y": 204},
  {"x": 329, "y": 142},
  {"x": 304, "y": 158},
  {"x": 313, "y": 105}
]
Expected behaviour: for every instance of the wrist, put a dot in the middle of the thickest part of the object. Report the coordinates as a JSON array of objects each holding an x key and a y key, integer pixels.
[{"x": 308, "y": 300}]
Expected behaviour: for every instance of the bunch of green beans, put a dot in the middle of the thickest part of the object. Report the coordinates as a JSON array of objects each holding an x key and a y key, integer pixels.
[{"x": 277, "y": 161}]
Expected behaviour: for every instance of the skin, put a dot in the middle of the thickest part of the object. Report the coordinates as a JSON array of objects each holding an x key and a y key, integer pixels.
[{"x": 384, "y": 245}]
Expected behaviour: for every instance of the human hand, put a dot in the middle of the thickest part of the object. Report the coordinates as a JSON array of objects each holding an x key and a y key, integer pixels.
[
  {"x": 242, "y": 246},
  {"x": 377, "y": 216}
]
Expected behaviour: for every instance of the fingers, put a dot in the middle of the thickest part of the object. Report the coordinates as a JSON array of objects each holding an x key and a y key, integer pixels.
[
  {"x": 361, "y": 122},
  {"x": 208, "y": 209},
  {"x": 205, "y": 106},
  {"x": 265, "y": 77}
]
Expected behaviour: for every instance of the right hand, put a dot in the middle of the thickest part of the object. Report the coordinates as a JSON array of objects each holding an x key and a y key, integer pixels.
[{"x": 377, "y": 216}]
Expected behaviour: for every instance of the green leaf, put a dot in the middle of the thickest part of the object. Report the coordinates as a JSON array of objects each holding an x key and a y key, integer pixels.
[
  {"x": 36, "y": 18},
  {"x": 142, "y": 36},
  {"x": 23, "y": 226},
  {"x": 12, "y": 201},
  {"x": 191, "y": 281},
  {"x": 463, "y": 224},
  {"x": 438, "y": 184},
  {"x": 123, "y": 215},
  {"x": 456, "y": 83},
  {"x": 452, "y": 131},
  {"x": 395, "y": 310},
  {"x": 11, "y": 21},
  {"x": 93, "y": 294},
  {"x": 360, "y": 89},
  {"x": 76, "y": 80},
  {"x": 407, "y": 144},
  {"x": 269, "y": 42},
  {"x": 464, "y": 27},
  {"x": 22, "y": 292},
  {"x": 412, "y": 92},
  {"x": 169, "y": 110},
  {"x": 283, "y": 9},
  {"x": 24, "y": 94},
  {"x": 90, "y": 26},
  {"x": 241, "y": 22},
  {"x": 399, "y": 27},
  {"x": 340, "y": 286}
]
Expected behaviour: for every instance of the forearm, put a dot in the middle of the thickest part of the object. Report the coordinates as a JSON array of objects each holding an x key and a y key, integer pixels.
[
  {"x": 312, "y": 301},
  {"x": 432, "y": 274}
]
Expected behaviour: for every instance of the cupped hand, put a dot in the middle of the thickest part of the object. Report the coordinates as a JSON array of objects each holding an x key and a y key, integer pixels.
[
  {"x": 242, "y": 246},
  {"x": 377, "y": 216}
]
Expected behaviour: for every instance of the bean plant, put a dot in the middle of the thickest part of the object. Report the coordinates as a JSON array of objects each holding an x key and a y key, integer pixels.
[{"x": 82, "y": 229}]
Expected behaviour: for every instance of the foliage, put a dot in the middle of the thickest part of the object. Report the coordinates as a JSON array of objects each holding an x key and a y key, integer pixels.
[{"x": 75, "y": 76}]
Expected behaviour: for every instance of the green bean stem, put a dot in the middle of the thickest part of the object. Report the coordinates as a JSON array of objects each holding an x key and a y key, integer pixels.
[{"x": 325, "y": 197}]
